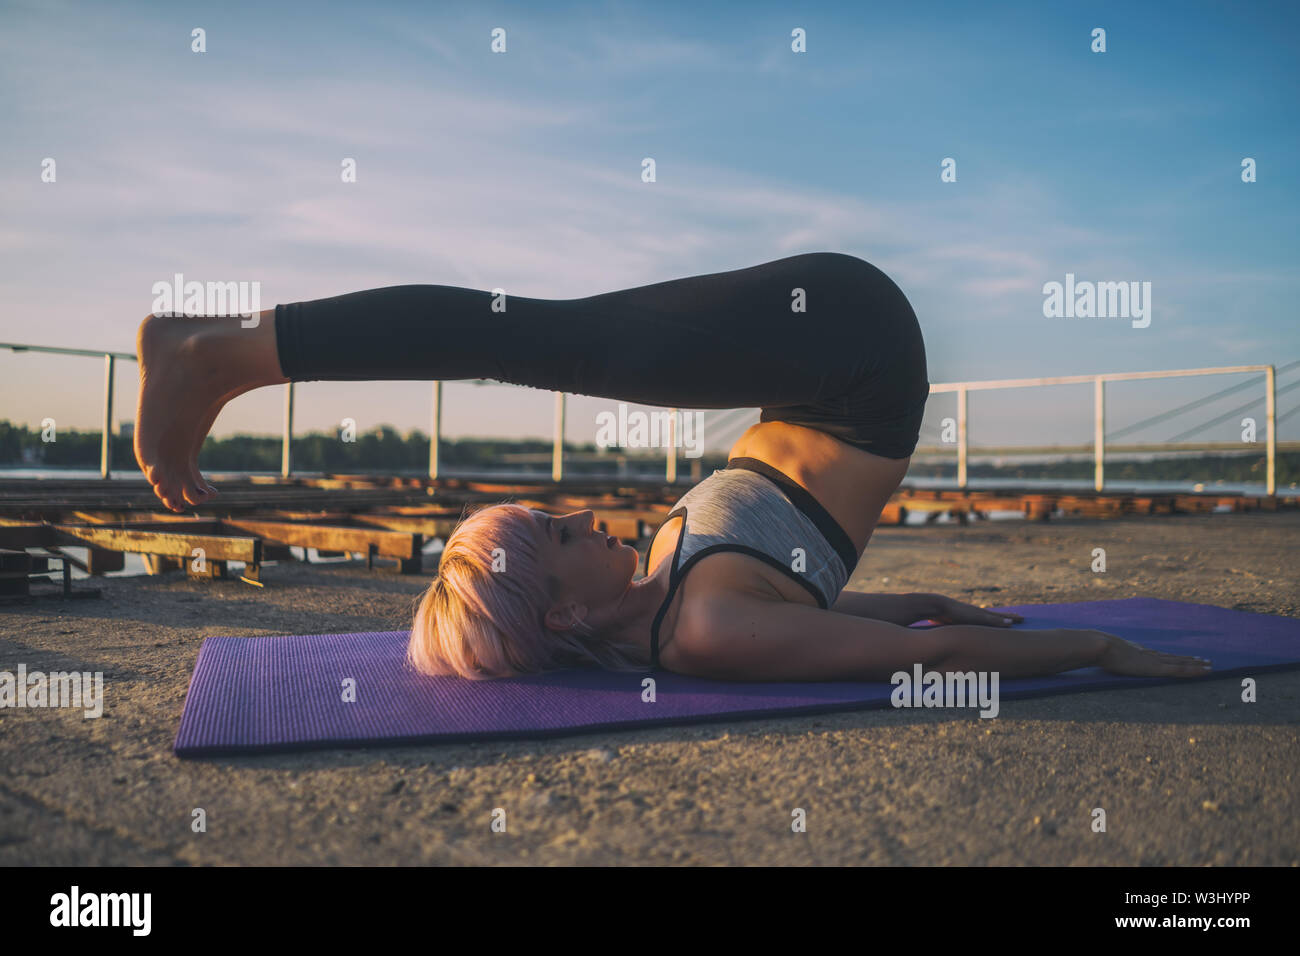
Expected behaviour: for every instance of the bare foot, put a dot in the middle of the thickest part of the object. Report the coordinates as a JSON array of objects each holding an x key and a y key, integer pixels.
[{"x": 189, "y": 368}]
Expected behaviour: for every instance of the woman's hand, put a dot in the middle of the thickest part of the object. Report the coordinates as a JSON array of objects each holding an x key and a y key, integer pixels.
[
  {"x": 945, "y": 610},
  {"x": 1132, "y": 660}
]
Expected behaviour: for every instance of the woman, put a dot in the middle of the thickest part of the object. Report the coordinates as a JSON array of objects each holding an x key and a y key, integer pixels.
[{"x": 745, "y": 576}]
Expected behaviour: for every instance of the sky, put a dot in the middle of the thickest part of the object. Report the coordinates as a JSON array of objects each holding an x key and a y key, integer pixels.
[{"x": 522, "y": 170}]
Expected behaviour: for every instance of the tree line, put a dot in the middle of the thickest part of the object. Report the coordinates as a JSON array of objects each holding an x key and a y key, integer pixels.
[{"x": 379, "y": 450}]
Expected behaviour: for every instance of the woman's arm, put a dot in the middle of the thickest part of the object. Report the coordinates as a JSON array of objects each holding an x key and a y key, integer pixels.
[
  {"x": 909, "y": 608},
  {"x": 895, "y": 608},
  {"x": 742, "y": 637}
]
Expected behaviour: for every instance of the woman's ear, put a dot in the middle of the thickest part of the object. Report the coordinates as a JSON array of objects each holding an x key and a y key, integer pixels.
[{"x": 563, "y": 617}]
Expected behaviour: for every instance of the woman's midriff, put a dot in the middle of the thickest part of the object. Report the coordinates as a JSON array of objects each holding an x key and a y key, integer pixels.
[{"x": 852, "y": 484}]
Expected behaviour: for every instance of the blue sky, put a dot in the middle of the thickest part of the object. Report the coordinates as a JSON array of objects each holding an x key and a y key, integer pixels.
[{"x": 522, "y": 170}]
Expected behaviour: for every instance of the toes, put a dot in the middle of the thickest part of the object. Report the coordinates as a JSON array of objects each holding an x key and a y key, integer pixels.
[
  {"x": 167, "y": 493},
  {"x": 178, "y": 494},
  {"x": 196, "y": 446},
  {"x": 201, "y": 484},
  {"x": 193, "y": 495},
  {"x": 191, "y": 486}
]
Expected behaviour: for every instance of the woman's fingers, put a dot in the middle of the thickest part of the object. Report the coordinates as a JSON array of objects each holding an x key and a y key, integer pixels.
[
  {"x": 955, "y": 612},
  {"x": 1002, "y": 618},
  {"x": 1138, "y": 661},
  {"x": 1182, "y": 659}
]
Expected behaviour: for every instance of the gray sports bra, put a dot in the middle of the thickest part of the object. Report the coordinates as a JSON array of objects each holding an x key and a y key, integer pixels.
[{"x": 752, "y": 508}]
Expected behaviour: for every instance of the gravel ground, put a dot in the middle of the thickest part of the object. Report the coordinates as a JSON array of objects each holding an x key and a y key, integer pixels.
[{"x": 1187, "y": 773}]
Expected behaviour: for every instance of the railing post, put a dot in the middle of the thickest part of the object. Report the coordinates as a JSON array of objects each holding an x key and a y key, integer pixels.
[
  {"x": 962, "y": 449},
  {"x": 435, "y": 429},
  {"x": 1099, "y": 432},
  {"x": 671, "y": 473},
  {"x": 1270, "y": 407},
  {"x": 106, "y": 441},
  {"x": 557, "y": 452},
  {"x": 286, "y": 453}
]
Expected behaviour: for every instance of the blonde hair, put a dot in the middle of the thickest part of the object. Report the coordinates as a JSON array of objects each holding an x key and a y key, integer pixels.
[{"x": 478, "y": 622}]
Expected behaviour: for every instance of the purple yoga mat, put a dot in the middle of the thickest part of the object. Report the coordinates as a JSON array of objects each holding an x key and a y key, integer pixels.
[{"x": 260, "y": 694}]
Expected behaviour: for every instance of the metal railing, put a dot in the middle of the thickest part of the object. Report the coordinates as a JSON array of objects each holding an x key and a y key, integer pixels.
[
  {"x": 1098, "y": 383},
  {"x": 557, "y": 456},
  {"x": 110, "y": 360}
]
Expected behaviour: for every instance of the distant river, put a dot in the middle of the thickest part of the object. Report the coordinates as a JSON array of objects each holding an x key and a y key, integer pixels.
[{"x": 683, "y": 471}]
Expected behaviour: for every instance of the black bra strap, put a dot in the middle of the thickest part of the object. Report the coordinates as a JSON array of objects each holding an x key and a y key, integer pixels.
[
  {"x": 673, "y": 580},
  {"x": 813, "y": 509}
]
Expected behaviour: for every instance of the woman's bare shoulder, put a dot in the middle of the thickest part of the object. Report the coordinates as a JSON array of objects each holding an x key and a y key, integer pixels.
[{"x": 720, "y": 588}]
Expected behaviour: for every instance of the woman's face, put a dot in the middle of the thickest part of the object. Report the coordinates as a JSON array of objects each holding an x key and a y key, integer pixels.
[{"x": 593, "y": 568}]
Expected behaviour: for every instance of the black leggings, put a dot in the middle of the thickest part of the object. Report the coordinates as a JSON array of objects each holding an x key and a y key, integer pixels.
[{"x": 851, "y": 363}]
